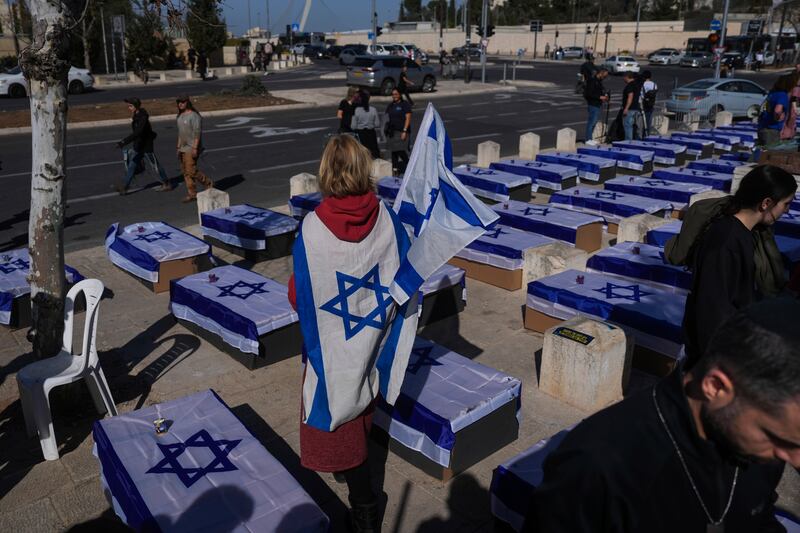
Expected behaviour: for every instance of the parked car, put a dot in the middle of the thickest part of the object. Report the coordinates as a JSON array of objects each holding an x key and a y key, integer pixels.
[
  {"x": 383, "y": 49},
  {"x": 334, "y": 50},
  {"x": 381, "y": 73},
  {"x": 316, "y": 52},
  {"x": 665, "y": 56},
  {"x": 618, "y": 64},
  {"x": 709, "y": 96},
  {"x": 14, "y": 84},
  {"x": 412, "y": 52},
  {"x": 573, "y": 52},
  {"x": 697, "y": 59},
  {"x": 299, "y": 48},
  {"x": 474, "y": 51},
  {"x": 348, "y": 54}
]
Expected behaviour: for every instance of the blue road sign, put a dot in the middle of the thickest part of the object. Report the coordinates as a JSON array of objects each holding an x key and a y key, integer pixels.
[
  {"x": 370, "y": 35},
  {"x": 716, "y": 25},
  {"x": 295, "y": 26}
]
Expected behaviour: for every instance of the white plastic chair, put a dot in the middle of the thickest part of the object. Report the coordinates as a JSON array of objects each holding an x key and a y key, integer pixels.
[{"x": 37, "y": 379}]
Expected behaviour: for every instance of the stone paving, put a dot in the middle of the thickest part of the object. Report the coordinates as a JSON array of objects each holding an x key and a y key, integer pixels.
[{"x": 149, "y": 359}]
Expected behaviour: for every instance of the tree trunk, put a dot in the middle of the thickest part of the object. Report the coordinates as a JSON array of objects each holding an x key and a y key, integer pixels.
[
  {"x": 85, "y": 37},
  {"x": 45, "y": 64}
]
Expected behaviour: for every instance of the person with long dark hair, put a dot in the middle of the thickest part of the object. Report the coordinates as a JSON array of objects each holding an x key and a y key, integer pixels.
[
  {"x": 725, "y": 257},
  {"x": 190, "y": 146},
  {"x": 398, "y": 129},
  {"x": 365, "y": 123}
]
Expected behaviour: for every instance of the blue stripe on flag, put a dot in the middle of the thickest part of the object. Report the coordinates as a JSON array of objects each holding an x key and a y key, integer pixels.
[
  {"x": 319, "y": 413},
  {"x": 389, "y": 351},
  {"x": 458, "y": 205},
  {"x": 409, "y": 215},
  {"x": 448, "y": 152}
]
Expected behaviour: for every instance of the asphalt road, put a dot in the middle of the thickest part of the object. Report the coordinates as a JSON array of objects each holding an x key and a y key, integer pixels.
[{"x": 252, "y": 157}]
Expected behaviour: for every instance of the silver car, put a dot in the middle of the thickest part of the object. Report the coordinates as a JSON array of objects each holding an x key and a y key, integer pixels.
[
  {"x": 709, "y": 96},
  {"x": 14, "y": 84},
  {"x": 381, "y": 73},
  {"x": 619, "y": 64},
  {"x": 697, "y": 59},
  {"x": 573, "y": 52},
  {"x": 665, "y": 56}
]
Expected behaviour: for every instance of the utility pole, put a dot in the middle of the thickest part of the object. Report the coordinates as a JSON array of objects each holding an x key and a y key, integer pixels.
[
  {"x": 249, "y": 18},
  {"x": 442, "y": 22},
  {"x": 484, "y": 22},
  {"x": 374, "y": 28},
  {"x": 103, "y": 26},
  {"x": 717, "y": 57},
  {"x": 467, "y": 29},
  {"x": 636, "y": 35},
  {"x": 12, "y": 20},
  {"x": 269, "y": 24}
]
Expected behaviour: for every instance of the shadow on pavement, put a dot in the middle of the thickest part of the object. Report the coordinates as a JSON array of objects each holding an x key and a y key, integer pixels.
[{"x": 21, "y": 239}]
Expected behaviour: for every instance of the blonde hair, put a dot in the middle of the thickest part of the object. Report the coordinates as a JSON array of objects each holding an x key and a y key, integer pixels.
[
  {"x": 345, "y": 168},
  {"x": 351, "y": 91}
]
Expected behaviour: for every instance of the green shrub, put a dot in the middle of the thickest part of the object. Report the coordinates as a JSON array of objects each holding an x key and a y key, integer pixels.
[{"x": 252, "y": 86}]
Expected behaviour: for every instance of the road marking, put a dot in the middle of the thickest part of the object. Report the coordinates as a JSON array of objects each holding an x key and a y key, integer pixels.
[
  {"x": 225, "y": 148},
  {"x": 453, "y": 106},
  {"x": 476, "y": 137},
  {"x": 478, "y": 117},
  {"x": 77, "y": 167},
  {"x": 287, "y": 165},
  {"x": 319, "y": 119},
  {"x": 537, "y": 128},
  {"x": 90, "y": 144},
  {"x": 482, "y": 103},
  {"x": 574, "y": 123},
  {"x": 101, "y": 196},
  {"x": 506, "y": 114}
]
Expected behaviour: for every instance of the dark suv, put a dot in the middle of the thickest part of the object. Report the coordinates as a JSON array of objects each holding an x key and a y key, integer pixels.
[{"x": 474, "y": 51}]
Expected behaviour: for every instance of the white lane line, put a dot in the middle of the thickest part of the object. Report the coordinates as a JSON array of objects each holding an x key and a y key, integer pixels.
[
  {"x": 482, "y": 103},
  {"x": 476, "y": 137},
  {"x": 537, "y": 128},
  {"x": 287, "y": 165},
  {"x": 507, "y": 114},
  {"x": 478, "y": 117},
  {"x": 225, "y": 148},
  {"x": 111, "y": 142},
  {"x": 76, "y": 167},
  {"x": 101, "y": 196},
  {"x": 574, "y": 123},
  {"x": 450, "y": 106},
  {"x": 326, "y": 119}
]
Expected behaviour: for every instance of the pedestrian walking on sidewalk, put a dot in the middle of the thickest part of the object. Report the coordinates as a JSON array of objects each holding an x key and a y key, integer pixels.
[
  {"x": 789, "y": 126},
  {"x": 774, "y": 113},
  {"x": 268, "y": 51},
  {"x": 141, "y": 71},
  {"x": 631, "y": 108},
  {"x": 759, "y": 60},
  {"x": 398, "y": 128},
  {"x": 365, "y": 123},
  {"x": 547, "y": 51},
  {"x": 596, "y": 96},
  {"x": 190, "y": 146},
  {"x": 141, "y": 148},
  {"x": 404, "y": 83},
  {"x": 192, "y": 54}
]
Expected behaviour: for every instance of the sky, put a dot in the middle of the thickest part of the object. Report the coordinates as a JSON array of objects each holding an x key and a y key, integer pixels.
[{"x": 325, "y": 15}]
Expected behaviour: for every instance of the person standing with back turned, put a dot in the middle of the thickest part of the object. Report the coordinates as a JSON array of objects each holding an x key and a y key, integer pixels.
[
  {"x": 190, "y": 146},
  {"x": 631, "y": 108},
  {"x": 596, "y": 95}
]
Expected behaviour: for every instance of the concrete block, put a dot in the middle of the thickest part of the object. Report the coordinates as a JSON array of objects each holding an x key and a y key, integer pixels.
[
  {"x": 243, "y": 70},
  {"x": 713, "y": 193},
  {"x": 229, "y": 71},
  {"x": 303, "y": 183},
  {"x": 551, "y": 259},
  {"x": 565, "y": 140},
  {"x": 599, "y": 133},
  {"x": 739, "y": 173},
  {"x": 635, "y": 228},
  {"x": 585, "y": 363},
  {"x": 662, "y": 126},
  {"x": 189, "y": 74},
  {"x": 381, "y": 168},
  {"x": 488, "y": 153},
  {"x": 162, "y": 76},
  {"x": 211, "y": 199},
  {"x": 132, "y": 77},
  {"x": 529, "y": 145},
  {"x": 723, "y": 118}
]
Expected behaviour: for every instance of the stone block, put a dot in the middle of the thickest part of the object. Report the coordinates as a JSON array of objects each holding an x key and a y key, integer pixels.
[
  {"x": 243, "y": 70},
  {"x": 599, "y": 133},
  {"x": 211, "y": 199},
  {"x": 723, "y": 118},
  {"x": 189, "y": 74},
  {"x": 565, "y": 140},
  {"x": 585, "y": 363},
  {"x": 303, "y": 183},
  {"x": 529, "y": 146},
  {"x": 162, "y": 76},
  {"x": 635, "y": 228},
  {"x": 381, "y": 168},
  {"x": 229, "y": 71},
  {"x": 713, "y": 193},
  {"x": 551, "y": 259},
  {"x": 488, "y": 153},
  {"x": 132, "y": 77},
  {"x": 739, "y": 173},
  {"x": 662, "y": 126}
]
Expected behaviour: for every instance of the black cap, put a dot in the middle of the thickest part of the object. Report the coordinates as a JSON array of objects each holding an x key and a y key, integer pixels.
[{"x": 135, "y": 102}]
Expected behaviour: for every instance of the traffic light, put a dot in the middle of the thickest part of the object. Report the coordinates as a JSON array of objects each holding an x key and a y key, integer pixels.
[
  {"x": 556, "y": 34},
  {"x": 588, "y": 30},
  {"x": 636, "y": 35},
  {"x": 378, "y": 31},
  {"x": 489, "y": 30},
  {"x": 480, "y": 30}
]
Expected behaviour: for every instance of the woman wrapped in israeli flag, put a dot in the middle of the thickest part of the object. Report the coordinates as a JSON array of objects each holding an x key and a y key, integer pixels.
[{"x": 357, "y": 339}]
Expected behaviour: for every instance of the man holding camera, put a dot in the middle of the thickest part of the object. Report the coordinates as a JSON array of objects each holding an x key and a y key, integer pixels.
[{"x": 596, "y": 95}]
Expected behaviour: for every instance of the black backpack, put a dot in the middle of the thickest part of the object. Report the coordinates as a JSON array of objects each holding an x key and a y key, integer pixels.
[
  {"x": 616, "y": 131},
  {"x": 649, "y": 99}
]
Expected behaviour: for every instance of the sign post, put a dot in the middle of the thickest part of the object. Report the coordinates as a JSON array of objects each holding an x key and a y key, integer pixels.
[
  {"x": 605, "y": 46},
  {"x": 536, "y": 27},
  {"x": 721, "y": 26}
]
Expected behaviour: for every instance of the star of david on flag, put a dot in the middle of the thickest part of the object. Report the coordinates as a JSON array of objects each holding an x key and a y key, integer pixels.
[
  {"x": 439, "y": 213},
  {"x": 252, "y": 215},
  {"x": 541, "y": 211},
  {"x": 171, "y": 464},
  {"x": 613, "y": 291},
  {"x": 12, "y": 266},
  {"x": 348, "y": 286},
  {"x": 252, "y": 288},
  {"x": 423, "y": 359},
  {"x": 657, "y": 183},
  {"x": 155, "y": 236},
  {"x": 605, "y": 195},
  {"x": 495, "y": 233}
]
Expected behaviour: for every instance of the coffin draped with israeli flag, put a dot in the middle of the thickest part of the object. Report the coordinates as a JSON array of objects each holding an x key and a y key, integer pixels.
[
  {"x": 788, "y": 225},
  {"x": 590, "y": 167},
  {"x": 206, "y": 473},
  {"x": 663, "y": 153},
  {"x": 443, "y": 394},
  {"x": 493, "y": 184},
  {"x": 638, "y": 261},
  {"x": 544, "y": 176},
  {"x": 715, "y": 180},
  {"x": 141, "y": 248},
  {"x": 582, "y": 230},
  {"x": 388, "y": 187},
  {"x": 302, "y": 204},
  {"x": 611, "y": 205},
  {"x": 246, "y": 226},
  {"x": 638, "y": 160},
  {"x": 695, "y": 148},
  {"x": 14, "y": 268},
  {"x": 745, "y": 139},
  {"x": 442, "y": 295},
  {"x": 721, "y": 141},
  {"x": 502, "y": 247},
  {"x": 676, "y": 192},
  {"x": 720, "y": 166}
]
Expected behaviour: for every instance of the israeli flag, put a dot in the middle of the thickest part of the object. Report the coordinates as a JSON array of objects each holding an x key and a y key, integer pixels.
[
  {"x": 357, "y": 339},
  {"x": 437, "y": 210}
]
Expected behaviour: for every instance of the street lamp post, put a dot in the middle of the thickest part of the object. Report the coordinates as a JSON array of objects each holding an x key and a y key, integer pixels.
[
  {"x": 718, "y": 57},
  {"x": 636, "y": 35},
  {"x": 103, "y": 27},
  {"x": 374, "y": 28}
]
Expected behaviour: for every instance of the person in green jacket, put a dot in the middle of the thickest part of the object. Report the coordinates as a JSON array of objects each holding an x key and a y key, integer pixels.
[{"x": 729, "y": 246}]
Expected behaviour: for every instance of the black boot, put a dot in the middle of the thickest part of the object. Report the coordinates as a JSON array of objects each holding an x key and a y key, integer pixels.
[{"x": 365, "y": 517}]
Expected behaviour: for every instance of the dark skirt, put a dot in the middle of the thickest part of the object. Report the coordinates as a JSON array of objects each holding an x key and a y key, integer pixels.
[{"x": 370, "y": 141}]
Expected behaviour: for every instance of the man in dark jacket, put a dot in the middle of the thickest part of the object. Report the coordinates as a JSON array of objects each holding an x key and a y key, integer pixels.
[
  {"x": 596, "y": 95},
  {"x": 141, "y": 149},
  {"x": 697, "y": 452}
]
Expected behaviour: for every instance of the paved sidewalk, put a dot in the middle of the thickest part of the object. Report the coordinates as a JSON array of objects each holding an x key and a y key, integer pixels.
[{"x": 149, "y": 359}]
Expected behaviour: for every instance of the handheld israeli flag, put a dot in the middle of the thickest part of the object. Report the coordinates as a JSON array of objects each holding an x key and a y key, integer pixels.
[
  {"x": 357, "y": 339},
  {"x": 438, "y": 211}
]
